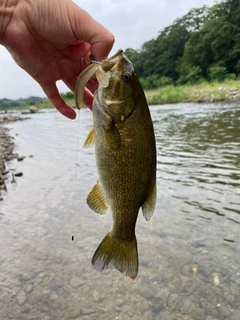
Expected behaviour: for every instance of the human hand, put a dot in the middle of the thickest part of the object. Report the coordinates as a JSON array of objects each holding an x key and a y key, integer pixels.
[{"x": 48, "y": 39}]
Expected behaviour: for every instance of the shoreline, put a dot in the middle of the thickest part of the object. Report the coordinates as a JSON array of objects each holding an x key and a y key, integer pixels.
[
  {"x": 200, "y": 93},
  {"x": 7, "y": 154}
]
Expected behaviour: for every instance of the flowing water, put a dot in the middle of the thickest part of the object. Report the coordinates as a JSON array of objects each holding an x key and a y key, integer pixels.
[{"x": 189, "y": 252}]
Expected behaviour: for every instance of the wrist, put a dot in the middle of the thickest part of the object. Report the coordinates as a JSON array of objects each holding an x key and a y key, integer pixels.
[{"x": 6, "y": 11}]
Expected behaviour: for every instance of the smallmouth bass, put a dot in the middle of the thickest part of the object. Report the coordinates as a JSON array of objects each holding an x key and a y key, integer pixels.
[{"x": 125, "y": 153}]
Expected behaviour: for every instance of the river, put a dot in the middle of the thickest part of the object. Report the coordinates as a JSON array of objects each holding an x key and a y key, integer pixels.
[{"x": 189, "y": 252}]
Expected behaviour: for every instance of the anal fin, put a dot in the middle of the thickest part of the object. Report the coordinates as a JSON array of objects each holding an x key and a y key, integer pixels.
[
  {"x": 149, "y": 205},
  {"x": 96, "y": 200}
]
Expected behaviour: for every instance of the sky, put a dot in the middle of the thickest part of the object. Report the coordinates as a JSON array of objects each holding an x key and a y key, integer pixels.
[{"x": 132, "y": 22}]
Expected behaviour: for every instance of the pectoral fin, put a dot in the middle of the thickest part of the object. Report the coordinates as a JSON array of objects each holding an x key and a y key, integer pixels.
[
  {"x": 90, "y": 140},
  {"x": 149, "y": 205},
  {"x": 96, "y": 200}
]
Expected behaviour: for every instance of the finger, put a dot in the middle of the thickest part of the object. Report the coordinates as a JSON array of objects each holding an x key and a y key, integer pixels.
[
  {"x": 58, "y": 102},
  {"x": 91, "y": 31}
]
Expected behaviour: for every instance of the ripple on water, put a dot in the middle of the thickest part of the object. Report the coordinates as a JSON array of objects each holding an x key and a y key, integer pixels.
[{"x": 188, "y": 252}]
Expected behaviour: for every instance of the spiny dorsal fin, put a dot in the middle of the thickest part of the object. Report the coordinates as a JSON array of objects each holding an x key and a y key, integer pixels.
[
  {"x": 90, "y": 140},
  {"x": 149, "y": 205},
  {"x": 96, "y": 200}
]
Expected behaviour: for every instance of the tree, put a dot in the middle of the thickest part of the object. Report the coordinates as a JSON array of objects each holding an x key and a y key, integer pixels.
[{"x": 217, "y": 42}]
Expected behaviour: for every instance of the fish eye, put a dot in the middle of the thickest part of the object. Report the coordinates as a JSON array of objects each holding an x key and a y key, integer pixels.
[{"x": 127, "y": 76}]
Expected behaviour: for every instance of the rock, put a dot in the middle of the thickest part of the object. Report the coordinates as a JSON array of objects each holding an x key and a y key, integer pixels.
[
  {"x": 76, "y": 282},
  {"x": 21, "y": 299},
  {"x": 173, "y": 301},
  {"x": 119, "y": 301},
  {"x": 74, "y": 313},
  {"x": 143, "y": 305},
  {"x": 53, "y": 300},
  {"x": 146, "y": 293},
  {"x": 96, "y": 296},
  {"x": 86, "y": 311},
  {"x": 186, "y": 270},
  {"x": 18, "y": 174},
  {"x": 198, "y": 314},
  {"x": 33, "y": 109},
  {"x": 187, "y": 306},
  {"x": 27, "y": 276},
  {"x": 216, "y": 280},
  {"x": 20, "y": 158},
  {"x": 28, "y": 288},
  {"x": 157, "y": 304},
  {"x": 224, "y": 311}
]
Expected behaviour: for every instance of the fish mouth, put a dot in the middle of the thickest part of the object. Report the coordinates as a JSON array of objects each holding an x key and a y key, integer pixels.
[
  {"x": 112, "y": 62},
  {"x": 118, "y": 55}
]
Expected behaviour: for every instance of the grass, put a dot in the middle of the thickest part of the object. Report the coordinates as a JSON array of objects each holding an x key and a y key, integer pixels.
[
  {"x": 205, "y": 91},
  {"x": 193, "y": 93}
]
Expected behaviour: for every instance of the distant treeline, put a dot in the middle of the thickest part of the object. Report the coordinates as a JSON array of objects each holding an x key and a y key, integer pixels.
[
  {"x": 9, "y": 104},
  {"x": 203, "y": 44}
]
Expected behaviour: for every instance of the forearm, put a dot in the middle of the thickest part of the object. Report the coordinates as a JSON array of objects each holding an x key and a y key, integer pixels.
[{"x": 6, "y": 11}]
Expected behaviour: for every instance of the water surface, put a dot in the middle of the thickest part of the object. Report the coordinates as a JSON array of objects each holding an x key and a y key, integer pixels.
[{"x": 189, "y": 251}]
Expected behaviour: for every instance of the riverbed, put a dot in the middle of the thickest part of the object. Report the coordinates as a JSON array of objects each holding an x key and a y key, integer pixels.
[{"x": 189, "y": 252}]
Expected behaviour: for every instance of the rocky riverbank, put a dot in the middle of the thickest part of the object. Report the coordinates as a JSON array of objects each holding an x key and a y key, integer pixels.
[{"x": 6, "y": 150}]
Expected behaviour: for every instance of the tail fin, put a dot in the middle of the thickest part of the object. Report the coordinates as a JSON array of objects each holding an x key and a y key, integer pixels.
[{"x": 118, "y": 254}]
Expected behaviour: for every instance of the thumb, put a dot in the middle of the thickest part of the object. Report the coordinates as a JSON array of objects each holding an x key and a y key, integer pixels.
[{"x": 87, "y": 29}]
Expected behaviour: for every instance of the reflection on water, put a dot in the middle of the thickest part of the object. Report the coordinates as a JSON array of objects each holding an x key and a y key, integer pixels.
[{"x": 189, "y": 251}]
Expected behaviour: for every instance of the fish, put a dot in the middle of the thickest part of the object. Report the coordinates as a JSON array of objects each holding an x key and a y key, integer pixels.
[{"x": 125, "y": 152}]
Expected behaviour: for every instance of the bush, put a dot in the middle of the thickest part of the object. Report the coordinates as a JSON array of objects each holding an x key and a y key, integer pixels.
[
  {"x": 182, "y": 80},
  {"x": 150, "y": 82},
  {"x": 231, "y": 76},
  {"x": 218, "y": 73},
  {"x": 67, "y": 95},
  {"x": 194, "y": 76},
  {"x": 154, "y": 81},
  {"x": 165, "y": 81}
]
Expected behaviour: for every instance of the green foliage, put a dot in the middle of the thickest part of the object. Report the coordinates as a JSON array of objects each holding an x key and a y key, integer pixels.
[
  {"x": 218, "y": 73},
  {"x": 67, "y": 95},
  {"x": 194, "y": 76},
  {"x": 217, "y": 42},
  {"x": 165, "y": 81},
  {"x": 202, "y": 38},
  {"x": 201, "y": 92},
  {"x": 20, "y": 103},
  {"x": 160, "y": 56},
  {"x": 231, "y": 76},
  {"x": 154, "y": 81}
]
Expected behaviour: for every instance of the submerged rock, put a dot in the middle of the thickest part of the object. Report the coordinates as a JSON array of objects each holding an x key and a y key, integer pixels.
[{"x": 21, "y": 299}]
